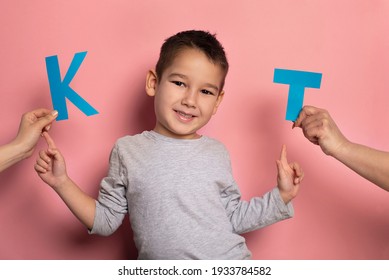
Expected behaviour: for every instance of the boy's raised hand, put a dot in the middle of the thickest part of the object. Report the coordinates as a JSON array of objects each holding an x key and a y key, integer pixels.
[
  {"x": 50, "y": 164},
  {"x": 51, "y": 167},
  {"x": 289, "y": 177}
]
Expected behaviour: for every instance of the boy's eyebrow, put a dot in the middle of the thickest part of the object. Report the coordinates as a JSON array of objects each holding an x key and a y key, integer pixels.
[{"x": 182, "y": 76}]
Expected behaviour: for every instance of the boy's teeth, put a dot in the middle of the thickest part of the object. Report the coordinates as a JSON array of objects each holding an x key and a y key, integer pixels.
[{"x": 185, "y": 115}]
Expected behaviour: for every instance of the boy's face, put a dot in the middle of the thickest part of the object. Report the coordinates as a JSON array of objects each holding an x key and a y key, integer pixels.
[{"x": 187, "y": 94}]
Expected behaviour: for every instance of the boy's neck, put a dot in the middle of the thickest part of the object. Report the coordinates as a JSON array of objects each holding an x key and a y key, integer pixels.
[{"x": 178, "y": 137}]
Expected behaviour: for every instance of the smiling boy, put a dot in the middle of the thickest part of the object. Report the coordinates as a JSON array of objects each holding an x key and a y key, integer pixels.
[
  {"x": 187, "y": 95},
  {"x": 177, "y": 185}
]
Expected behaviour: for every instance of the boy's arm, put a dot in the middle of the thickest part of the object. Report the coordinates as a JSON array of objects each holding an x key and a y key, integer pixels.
[
  {"x": 259, "y": 212},
  {"x": 82, "y": 205},
  {"x": 51, "y": 168},
  {"x": 273, "y": 207},
  {"x": 319, "y": 128}
]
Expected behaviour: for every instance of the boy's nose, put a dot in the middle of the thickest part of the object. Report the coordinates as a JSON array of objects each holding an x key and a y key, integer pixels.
[{"x": 189, "y": 99}]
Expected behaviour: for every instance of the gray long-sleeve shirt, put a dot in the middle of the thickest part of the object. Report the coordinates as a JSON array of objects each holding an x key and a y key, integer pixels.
[{"x": 182, "y": 200}]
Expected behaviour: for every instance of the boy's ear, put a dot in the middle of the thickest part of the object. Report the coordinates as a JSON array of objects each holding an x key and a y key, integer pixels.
[
  {"x": 151, "y": 83},
  {"x": 218, "y": 101}
]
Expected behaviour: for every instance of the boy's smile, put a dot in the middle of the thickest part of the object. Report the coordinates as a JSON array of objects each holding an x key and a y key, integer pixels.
[
  {"x": 187, "y": 94},
  {"x": 184, "y": 116}
]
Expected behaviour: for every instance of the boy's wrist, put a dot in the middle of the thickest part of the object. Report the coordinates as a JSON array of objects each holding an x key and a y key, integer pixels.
[
  {"x": 62, "y": 183},
  {"x": 286, "y": 197}
]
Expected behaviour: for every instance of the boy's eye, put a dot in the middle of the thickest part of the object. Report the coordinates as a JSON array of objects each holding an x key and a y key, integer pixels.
[
  {"x": 204, "y": 91},
  {"x": 178, "y": 83}
]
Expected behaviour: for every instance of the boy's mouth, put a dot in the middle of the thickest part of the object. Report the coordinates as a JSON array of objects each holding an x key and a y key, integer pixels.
[{"x": 184, "y": 116}]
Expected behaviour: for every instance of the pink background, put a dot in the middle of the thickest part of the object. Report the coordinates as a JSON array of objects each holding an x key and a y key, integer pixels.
[{"x": 339, "y": 215}]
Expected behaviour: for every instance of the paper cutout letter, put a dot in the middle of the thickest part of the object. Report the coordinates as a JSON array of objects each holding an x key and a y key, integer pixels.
[
  {"x": 298, "y": 81},
  {"x": 60, "y": 90}
]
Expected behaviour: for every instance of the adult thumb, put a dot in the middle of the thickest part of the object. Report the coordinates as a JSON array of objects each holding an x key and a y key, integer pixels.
[{"x": 45, "y": 122}]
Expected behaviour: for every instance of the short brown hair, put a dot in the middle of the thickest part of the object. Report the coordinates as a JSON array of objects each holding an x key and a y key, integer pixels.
[{"x": 201, "y": 40}]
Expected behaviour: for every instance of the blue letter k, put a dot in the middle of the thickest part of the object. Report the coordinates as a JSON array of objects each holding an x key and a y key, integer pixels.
[{"x": 60, "y": 90}]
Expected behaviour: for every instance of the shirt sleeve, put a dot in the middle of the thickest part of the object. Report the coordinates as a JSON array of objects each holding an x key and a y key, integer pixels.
[
  {"x": 111, "y": 205},
  {"x": 259, "y": 212}
]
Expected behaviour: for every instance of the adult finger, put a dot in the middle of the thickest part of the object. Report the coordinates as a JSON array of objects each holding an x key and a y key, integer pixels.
[
  {"x": 305, "y": 112},
  {"x": 44, "y": 122},
  {"x": 41, "y": 112}
]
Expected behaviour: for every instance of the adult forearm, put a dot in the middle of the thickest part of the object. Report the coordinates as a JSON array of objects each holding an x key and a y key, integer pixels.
[
  {"x": 9, "y": 155},
  {"x": 369, "y": 163}
]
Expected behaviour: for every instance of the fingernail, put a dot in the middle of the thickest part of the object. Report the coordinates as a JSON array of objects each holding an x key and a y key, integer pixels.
[
  {"x": 47, "y": 128},
  {"x": 54, "y": 113}
]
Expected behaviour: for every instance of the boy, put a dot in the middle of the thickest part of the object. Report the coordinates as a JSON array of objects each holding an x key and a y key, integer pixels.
[{"x": 177, "y": 185}]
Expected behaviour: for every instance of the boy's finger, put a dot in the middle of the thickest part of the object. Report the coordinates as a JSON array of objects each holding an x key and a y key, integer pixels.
[
  {"x": 44, "y": 156},
  {"x": 49, "y": 140},
  {"x": 299, "y": 174},
  {"x": 54, "y": 153},
  {"x": 280, "y": 168},
  {"x": 298, "y": 170},
  {"x": 39, "y": 168},
  {"x": 283, "y": 158},
  {"x": 43, "y": 164}
]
